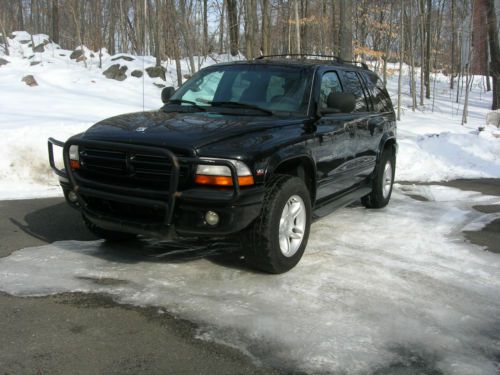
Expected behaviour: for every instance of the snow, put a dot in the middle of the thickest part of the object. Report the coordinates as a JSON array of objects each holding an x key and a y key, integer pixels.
[
  {"x": 70, "y": 97},
  {"x": 389, "y": 288}
]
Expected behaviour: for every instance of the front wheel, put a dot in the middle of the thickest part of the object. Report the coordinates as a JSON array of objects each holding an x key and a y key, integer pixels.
[
  {"x": 275, "y": 242},
  {"x": 383, "y": 180}
]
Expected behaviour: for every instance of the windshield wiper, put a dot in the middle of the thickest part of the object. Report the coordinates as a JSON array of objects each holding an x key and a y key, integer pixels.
[
  {"x": 181, "y": 101},
  {"x": 230, "y": 104}
]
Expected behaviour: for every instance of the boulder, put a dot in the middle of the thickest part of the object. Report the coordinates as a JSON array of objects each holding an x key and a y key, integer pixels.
[
  {"x": 137, "y": 73},
  {"x": 493, "y": 118},
  {"x": 116, "y": 72},
  {"x": 30, "y": 80},
  {"x": 126, "y": 58},
  {"x": 34, "y": 63},
  {"x": 81, "y": 58},
  {"x": 159, "y": 85},
  {"x": 76, "y": 54},
  {"x": 156, "y": 72},
  {"x": 39, "y": 48},
  {"x": 4, "y": 62}
]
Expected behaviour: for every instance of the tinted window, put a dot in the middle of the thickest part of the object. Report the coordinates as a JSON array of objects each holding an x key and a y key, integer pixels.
[
  {"x": 329, "y": 83},
  {"x": 353, "y": 85},
  {"x": 276, "y": 88},
  {"x": 381, "y": 99}
]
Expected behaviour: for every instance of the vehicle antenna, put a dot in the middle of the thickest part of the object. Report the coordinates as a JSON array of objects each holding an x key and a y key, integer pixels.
[{"x": 143, "y": 50}]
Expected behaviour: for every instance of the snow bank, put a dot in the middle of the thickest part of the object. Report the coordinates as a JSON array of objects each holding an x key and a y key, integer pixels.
[
  {"x": 72, "y": 95},
  {"x": 412, "y": 294}
]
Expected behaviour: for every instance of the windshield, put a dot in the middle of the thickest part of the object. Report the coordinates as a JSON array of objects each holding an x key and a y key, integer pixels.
[{"x": 252, "y": 87}]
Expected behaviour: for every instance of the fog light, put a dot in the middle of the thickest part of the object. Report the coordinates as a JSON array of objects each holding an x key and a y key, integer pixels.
[
  {"x": 212, "y": 218},
  {"x": 72, "y": 197}
]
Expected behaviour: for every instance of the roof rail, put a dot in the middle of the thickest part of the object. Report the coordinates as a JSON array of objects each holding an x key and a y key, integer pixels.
[
  {"x": 336, "y": 59},
  {"x": 360, "y": 63}
]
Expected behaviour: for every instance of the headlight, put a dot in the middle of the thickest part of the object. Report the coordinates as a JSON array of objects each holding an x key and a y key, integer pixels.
[
  {"x": 220, "y": 175},
  {"x": 73, "y": 153},
  {"x": 74, "y": 157}
]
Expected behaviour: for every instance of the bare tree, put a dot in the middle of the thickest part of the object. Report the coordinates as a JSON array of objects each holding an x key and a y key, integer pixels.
[
  {"x": 494, "y": 52},
  {"x": 401, "y": 49},
  {"x": 345, "y": 29},
  {"x": 233, "y": 26}
]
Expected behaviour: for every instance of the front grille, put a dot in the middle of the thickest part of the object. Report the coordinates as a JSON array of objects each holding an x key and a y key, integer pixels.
[{"x": 129, "y": 169}]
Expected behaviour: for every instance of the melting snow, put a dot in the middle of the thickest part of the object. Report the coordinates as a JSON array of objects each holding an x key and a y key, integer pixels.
[{"x": 375, "y": 289}]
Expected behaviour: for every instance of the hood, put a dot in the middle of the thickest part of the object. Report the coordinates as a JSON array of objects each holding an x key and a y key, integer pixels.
[{"x": 179, "y": 130}]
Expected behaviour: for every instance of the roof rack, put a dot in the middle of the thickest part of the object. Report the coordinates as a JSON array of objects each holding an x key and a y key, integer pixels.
[{"x": 336, "y": 59}]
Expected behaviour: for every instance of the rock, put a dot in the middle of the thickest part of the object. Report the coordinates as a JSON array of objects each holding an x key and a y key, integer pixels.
[
  {"x": 156, "y": 72},
  {"x": 493, "y": 118},
  {"x": 116, "y": 72},
  {"x": 34, "y": 63},
  {"x": 24, "y": 41},
  {"x": 30, "y": 80},
  {"x": 62, "y": 54},
  {"x": 76, "y": 54},
  {"x": 92, "y": 55},
  {"x": 81, "y": 58},
  {"x": 137, "y": 73},
  {"x": 187, "y": 76},
  {"x": 159, "y": 85},
  {"x": 39, "y": 48},
  {"x": 126, "y": 58},
  {"x": 3, "y": 62}
]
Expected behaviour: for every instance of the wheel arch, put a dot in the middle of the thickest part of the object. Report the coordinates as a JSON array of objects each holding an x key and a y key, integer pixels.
[{"x": 301, "y": 166}]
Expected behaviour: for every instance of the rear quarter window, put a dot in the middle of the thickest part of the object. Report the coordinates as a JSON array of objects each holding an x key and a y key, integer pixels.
[
  {"x": 380, "y": 96},
  {"x": 353, "y": 85}
]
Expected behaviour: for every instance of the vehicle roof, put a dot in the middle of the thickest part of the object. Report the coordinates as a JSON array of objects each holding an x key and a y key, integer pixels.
[{"x": 299, "y": 62}]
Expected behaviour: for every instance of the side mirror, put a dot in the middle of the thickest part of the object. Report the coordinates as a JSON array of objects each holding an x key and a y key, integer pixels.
[
  {"x": 340, "y": 102},
  {"x": 167, "y": 93}
]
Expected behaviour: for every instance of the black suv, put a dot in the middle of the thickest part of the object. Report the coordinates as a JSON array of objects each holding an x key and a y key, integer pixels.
[{"x": 256, "y": 149}]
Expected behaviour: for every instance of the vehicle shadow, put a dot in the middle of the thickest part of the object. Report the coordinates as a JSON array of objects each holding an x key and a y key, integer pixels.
[{"x": 57, "y": 222}]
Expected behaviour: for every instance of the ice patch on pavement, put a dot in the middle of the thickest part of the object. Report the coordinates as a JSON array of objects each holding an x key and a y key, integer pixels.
[{"x": 376, "y": 289}]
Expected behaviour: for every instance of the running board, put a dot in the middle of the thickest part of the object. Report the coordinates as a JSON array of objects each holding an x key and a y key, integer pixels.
[{"x": 339, "y": 202}]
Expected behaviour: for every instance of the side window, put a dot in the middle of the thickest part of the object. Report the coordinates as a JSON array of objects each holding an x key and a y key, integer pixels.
[
  {"x": 382, "y": 96},
  {"x": 353, "y": 85},
  {"x": 381, "y": 99},
  {"x": 329, "y": 83}
]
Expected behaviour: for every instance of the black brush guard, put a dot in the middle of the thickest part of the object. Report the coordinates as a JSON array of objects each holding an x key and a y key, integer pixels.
[{"x": 82, "y": 186}]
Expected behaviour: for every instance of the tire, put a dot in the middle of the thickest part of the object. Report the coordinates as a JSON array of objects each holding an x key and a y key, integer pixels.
[
  {"x": 108, "y": 235},
  {"x": 383, "y": 180},
  {"x": 273, "y": 243}
]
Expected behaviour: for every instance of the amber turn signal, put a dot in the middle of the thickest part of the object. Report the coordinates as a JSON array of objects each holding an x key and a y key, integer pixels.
[
  {"x": 223, "y": 180},
  {"x": 74, "y": 164}
]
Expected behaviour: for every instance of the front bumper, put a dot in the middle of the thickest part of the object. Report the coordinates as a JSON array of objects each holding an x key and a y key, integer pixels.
[{"x": 168, "y": 213}]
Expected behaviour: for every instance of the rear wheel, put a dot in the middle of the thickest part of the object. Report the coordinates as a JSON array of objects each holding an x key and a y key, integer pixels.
[
  {"x": 383, "y": 180},
  {"x": 276, "y": 241},
  {"x": 108, "y": 235}
]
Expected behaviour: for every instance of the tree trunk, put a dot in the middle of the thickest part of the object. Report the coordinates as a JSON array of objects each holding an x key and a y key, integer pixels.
[
  {"x": 20, "y": 15},
  {"x": 345, "y": 30},
  {"x": 206, "y": 47},
  {"x": 54, "y": 17},
  {"x": 266, "y": 24},
  {"x": 422, "y": 51},
  {"x": 233, "y": 26},
  {"x": 494, "y": 52},
  {"x": 452, "y": 69},
  {"x": 412, "y": 61},
  {"x": 401, "y": 49},
  {"x": 221, "y": 27},
  {"x": 428, "y": 51},
  {"x": 297, "y": 25}
]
